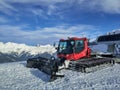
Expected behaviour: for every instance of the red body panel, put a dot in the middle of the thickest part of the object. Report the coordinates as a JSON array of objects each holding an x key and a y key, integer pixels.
[{"x": 76, "y": 56}]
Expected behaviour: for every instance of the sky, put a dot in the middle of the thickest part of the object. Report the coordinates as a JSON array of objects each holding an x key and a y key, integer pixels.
[{"x": 46, "y": 21}]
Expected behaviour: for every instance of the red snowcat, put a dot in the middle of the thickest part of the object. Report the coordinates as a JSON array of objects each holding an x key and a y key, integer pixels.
[{"x": 72, "y": 53}]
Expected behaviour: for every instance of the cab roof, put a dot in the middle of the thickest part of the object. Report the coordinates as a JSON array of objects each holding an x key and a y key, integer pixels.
[{"x": 74, "y": 38}]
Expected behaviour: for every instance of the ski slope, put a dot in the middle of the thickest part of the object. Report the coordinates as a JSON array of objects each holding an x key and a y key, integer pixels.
[{"x": 15, "y": 76}]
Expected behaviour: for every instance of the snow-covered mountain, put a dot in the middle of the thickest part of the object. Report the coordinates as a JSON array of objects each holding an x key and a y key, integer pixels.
[
  {"x": 17, "y": 52},
  {"x": 15, "y": 76}
]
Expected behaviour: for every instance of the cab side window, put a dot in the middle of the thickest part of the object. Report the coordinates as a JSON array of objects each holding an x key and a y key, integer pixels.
[{"x": 79, "y": 46}]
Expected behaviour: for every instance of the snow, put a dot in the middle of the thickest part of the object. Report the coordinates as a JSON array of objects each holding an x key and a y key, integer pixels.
[
  {"x": 19, "y": 48},
  {"x": 114, "y": 32},
  {"x": 15, "y": 76},
  {"x": 99, "y": 48},
  {"x": 17, "y": 52}
]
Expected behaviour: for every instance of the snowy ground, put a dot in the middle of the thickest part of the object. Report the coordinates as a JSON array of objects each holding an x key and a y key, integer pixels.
[{"x": 15, "y": 76}]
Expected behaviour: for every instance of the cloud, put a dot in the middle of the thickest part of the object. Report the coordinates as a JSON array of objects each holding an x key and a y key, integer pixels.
[
  {"x": 111, "y": 6},
  {"x": 45, "y": 8},
  {"x": 3, "y": 20},
  {"x": 43, "y": 35},
  {"x": 106, "y": 6},
  {"x": 46, "y": 12},
  {"x": 6, "y": 8}
]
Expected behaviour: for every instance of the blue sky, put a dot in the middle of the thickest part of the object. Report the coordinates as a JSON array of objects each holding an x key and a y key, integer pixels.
[{"x": 45, "y": 21}]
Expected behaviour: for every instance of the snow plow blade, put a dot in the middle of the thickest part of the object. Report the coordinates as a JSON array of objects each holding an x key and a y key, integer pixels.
[{"x": 48, "y": 66}]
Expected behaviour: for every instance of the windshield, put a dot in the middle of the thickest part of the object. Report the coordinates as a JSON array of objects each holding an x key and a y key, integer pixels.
[{"x": 66, "y": 47}]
